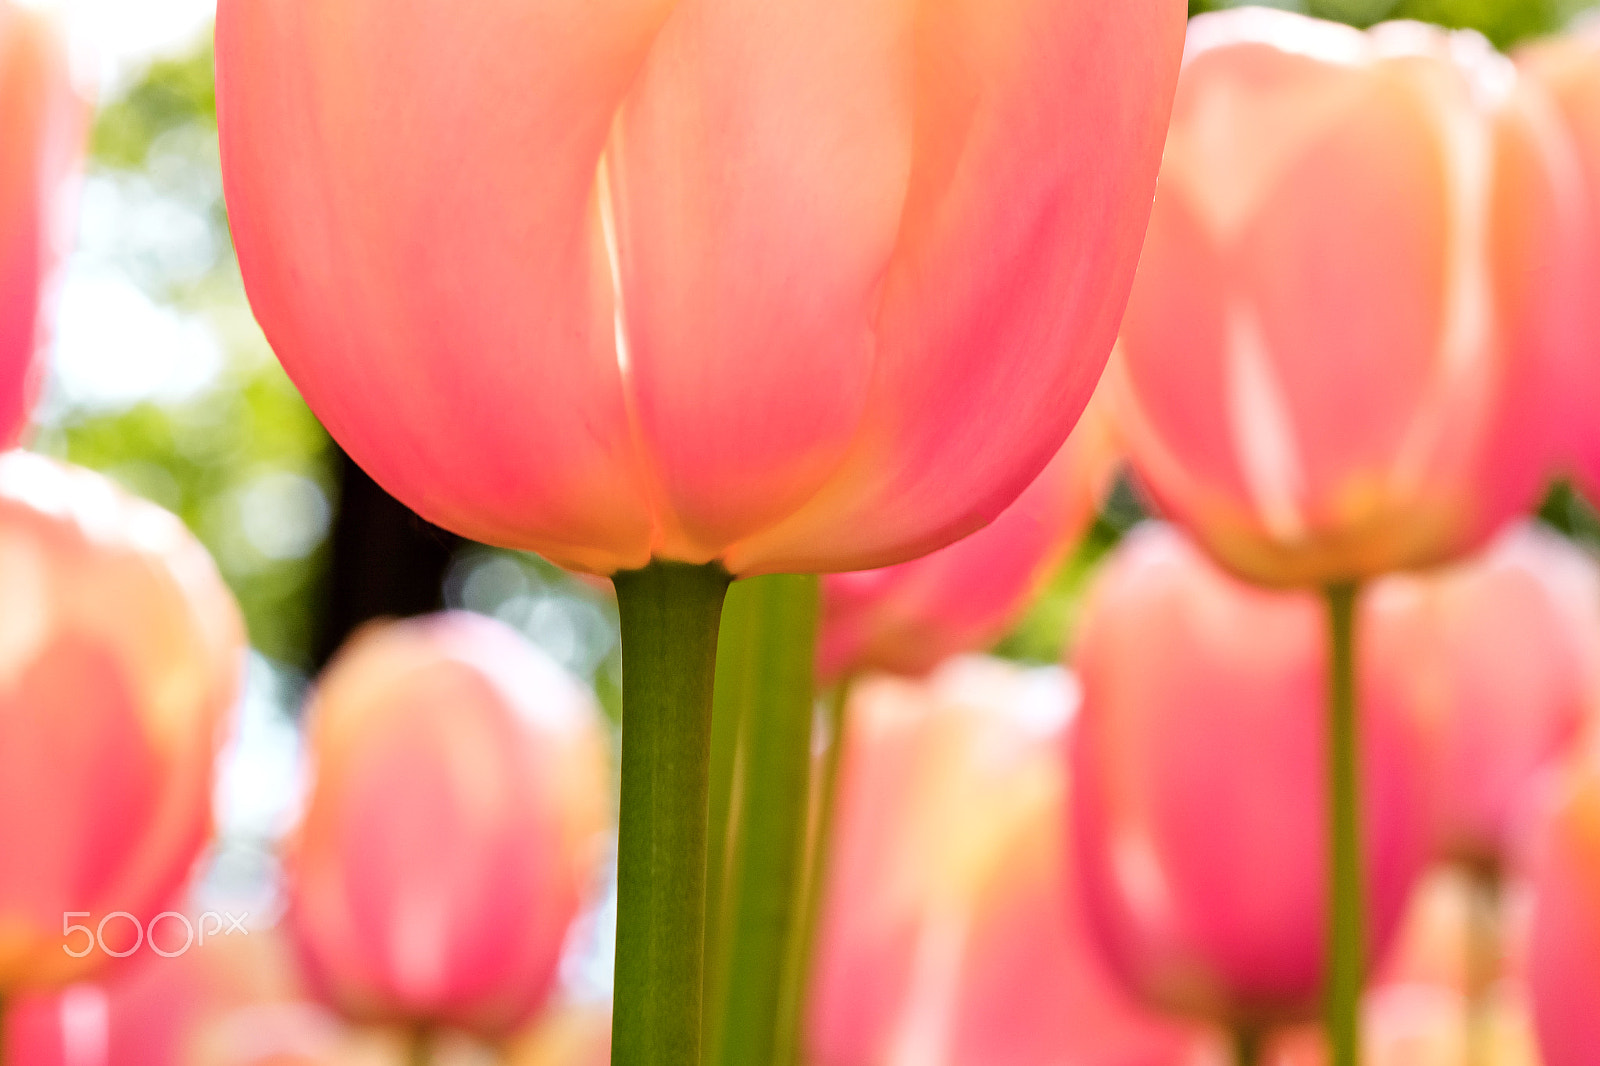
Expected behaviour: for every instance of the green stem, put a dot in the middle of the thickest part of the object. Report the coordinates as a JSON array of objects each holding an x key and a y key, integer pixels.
[
  {"x": 731, "y": 699},
  {"x": 1247, "y": 1046},
  {"x": 419, "y": 1047},
  {"x": 771, "y": 628},
  {"x": 1346, "y": 922},
  {"x": 791, "y": 1022},
  {"x": 1483, "y": 960},
  {"x": 669, "y": 612}
]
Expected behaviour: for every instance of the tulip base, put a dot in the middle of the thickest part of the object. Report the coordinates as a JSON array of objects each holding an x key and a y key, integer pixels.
[
  {"x": 419, "y": 1047},
  {"x": 1346, "y": 920},
  {"x": 1484, "y": 959},
  {"x": 1247, "y": 1046},
  {"x": 670, "y": 614}
]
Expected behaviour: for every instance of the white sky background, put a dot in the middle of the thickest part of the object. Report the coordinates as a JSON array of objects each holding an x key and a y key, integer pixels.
[
  {"x": 113, "y": 39},
  {"x": 114, "y": 345}
]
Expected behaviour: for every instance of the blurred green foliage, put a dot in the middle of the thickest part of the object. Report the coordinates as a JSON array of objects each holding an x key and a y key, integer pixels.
[
  {"x": 243, "y": 461},
  {"x": 1051, "y": 622},
  {"x": 172, "y": 95},
  {"x": 212, "y": 460},
  {"x": 1569, "y": 513},
  {"x": 1505, "y": 22}
]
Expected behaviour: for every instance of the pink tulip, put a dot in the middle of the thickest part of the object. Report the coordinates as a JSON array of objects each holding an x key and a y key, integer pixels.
[
  {"x": 1502, "y": 655},
  {"x": 452, "y": 829},
  {"x": 791, "y": 286},
  {"x": 230, "y": 1001},
  {"x": 1568, "y": 67},
  {"x": 1419, "y": 1025},
  {"x": 909, "y": 618},
  {"x": 1563, "y": 964},
  {"x": 1434, "y": 944},
  {"x": 138, "y": 1017},
  {"x": 120, "y": 659},
  {"x": 1338, "y": 355},
  {"x": 41, "y": 128},
  {"x": 1420, "y": 1009},
  {"x": 573, "y": 1036},
  {"x": 1200, "y": 804},
  {"x": 1476, "y": 986},
  {"x": 951, "y": 933}
]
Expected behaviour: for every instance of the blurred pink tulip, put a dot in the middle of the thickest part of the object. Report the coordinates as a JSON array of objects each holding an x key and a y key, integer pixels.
[
  {"x": 1502, "y": 655},
  {"x": 1419, "y": 1025},
  {"x": 1338, "y": 356},
  {"x": 792, "y": 285},
  {"x": 571, "y": 1036},
  {"x": 120, "y": 659},
  {"x": 1434, "y": 945},
  {"x": 1568, "y": 67},
  {"x": 951, "y": 933},
  {"x": 1420, "y": 1009},
  {"x": 909, "y": 618},
  {"x": 1563, "y": 957},
  {"x": 229, "y": 1001},
  {"x": 1200, "y": 804},
  {"x": 452, "y": 829},
  {"x": 41, "y": 126}
]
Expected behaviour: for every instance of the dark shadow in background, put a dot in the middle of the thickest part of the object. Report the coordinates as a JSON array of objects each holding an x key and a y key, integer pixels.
[{"x": 384, "y": 561}]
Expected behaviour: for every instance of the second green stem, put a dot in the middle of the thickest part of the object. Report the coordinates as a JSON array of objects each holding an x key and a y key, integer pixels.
[
  {"x": 765, "y": 685},
  {"x": 791, "y": 1023},
  {"x": 1346, "y": 920}
]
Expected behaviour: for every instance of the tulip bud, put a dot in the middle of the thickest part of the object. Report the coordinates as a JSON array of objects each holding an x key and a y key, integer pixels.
[
  {"x": 1200, "y": 767},
  {"x": 1338, "y": 357},
  {"x": 1563, "y": 957},
  {"x": 951, "y": 932},
  {"x": 452, "y": 829},
  {"x": 909, "y": 618},
  {"x": 120, "y": 659},
  {"x": 41, "y": 128},
  {"x": 791, "y": 286},
  {"x": 1568, "y": 68},
  {"x": 1502, "y": 655}
]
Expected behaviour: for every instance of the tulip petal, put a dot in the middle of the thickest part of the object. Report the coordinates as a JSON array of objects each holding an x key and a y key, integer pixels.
[
  {"x": 1354, "y": 337},
  {"x": 909, "y": 618},
  {"x": 431, "y": 267},
  {"x": 758, "y": 169},
  {"x": 1178, "y": 305},
  {"x": 1567, "y": 69},
  {"x": 73, "y": 740},
  {"x": 1036, "y": 135},
  {"x": 40, "y": 120}
]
